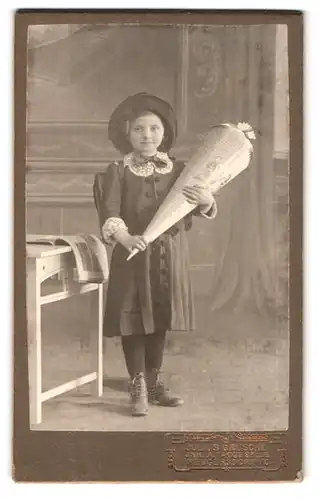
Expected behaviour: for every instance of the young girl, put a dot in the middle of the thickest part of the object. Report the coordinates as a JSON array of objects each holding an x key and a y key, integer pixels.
[{"x": 150, "y": 294}]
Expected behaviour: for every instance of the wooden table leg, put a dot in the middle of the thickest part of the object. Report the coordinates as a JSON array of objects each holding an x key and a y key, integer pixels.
[
  {"x": 34, "y": 341},
  {"x": 97, "y": 308}
]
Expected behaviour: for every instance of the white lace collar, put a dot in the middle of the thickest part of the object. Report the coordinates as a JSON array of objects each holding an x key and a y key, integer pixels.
[{"x": 145, "y": 168}]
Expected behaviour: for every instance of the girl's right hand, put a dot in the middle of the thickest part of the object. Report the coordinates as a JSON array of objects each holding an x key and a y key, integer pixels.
[
  {"x": 130, "y": 242},
  {"x": 137, "y": 242}
]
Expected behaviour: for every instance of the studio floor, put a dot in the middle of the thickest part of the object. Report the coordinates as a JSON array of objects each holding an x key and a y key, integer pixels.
[{"x": 232, "y": 374}]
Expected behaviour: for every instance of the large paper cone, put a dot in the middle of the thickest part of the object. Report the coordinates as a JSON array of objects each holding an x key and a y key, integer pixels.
[{"x": 225, "y": 152}]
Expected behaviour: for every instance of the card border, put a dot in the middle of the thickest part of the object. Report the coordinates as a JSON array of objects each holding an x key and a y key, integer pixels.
[{"x": 43, "y": 456}]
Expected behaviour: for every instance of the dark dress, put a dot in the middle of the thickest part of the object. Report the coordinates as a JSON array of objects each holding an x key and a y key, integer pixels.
[{"x": 151, "y": 292}]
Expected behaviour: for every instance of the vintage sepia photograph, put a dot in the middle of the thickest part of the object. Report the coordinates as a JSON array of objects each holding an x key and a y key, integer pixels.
[{"x": 157, "y": 227}]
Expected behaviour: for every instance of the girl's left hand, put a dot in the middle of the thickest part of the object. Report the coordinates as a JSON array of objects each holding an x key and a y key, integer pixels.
[{"x": 198, "y": 195}]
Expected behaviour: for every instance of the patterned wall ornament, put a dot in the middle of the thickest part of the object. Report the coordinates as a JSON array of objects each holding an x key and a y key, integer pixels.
[{"x": 205, "y": 50}]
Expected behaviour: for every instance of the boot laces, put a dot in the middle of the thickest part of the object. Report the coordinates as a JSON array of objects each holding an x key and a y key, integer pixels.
[
  {"x": 157, "y": 386},
  {"x": 138, "y": 385}
]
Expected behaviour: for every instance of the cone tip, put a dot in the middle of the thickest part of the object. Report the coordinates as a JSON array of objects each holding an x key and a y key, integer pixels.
[{"x": 132, "y": 254}]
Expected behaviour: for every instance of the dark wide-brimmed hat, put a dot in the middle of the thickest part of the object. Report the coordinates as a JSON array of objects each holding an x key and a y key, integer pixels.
[{"x": 130, "y": 109}]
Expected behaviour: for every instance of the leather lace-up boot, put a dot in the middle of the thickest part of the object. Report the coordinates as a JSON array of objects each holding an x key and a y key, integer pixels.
[
  {"x": 158, "y": 394},
  {"x": 139, "y": 396}
]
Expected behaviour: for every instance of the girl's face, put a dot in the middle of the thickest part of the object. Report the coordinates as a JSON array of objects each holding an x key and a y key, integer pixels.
[{"x": 146, "y": 133}]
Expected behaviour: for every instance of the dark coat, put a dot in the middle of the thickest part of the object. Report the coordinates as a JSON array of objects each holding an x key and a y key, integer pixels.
[{"x": 152, "y": 291}]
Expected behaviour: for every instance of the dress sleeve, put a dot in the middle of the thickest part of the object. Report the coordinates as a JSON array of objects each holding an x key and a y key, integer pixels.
[{"x": 107, "y": 196}]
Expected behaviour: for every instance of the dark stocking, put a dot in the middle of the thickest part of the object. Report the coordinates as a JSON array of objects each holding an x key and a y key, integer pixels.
[
  {"x": 135, "y": 353},
  {"x": 155, "y": 344}
]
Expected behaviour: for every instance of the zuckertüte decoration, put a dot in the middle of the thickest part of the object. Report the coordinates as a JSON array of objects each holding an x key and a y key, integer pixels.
[{"x": 225, "y": 152}]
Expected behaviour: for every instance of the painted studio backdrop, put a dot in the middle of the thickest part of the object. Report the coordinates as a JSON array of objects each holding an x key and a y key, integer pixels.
[{"x": 233, "y": 371}]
